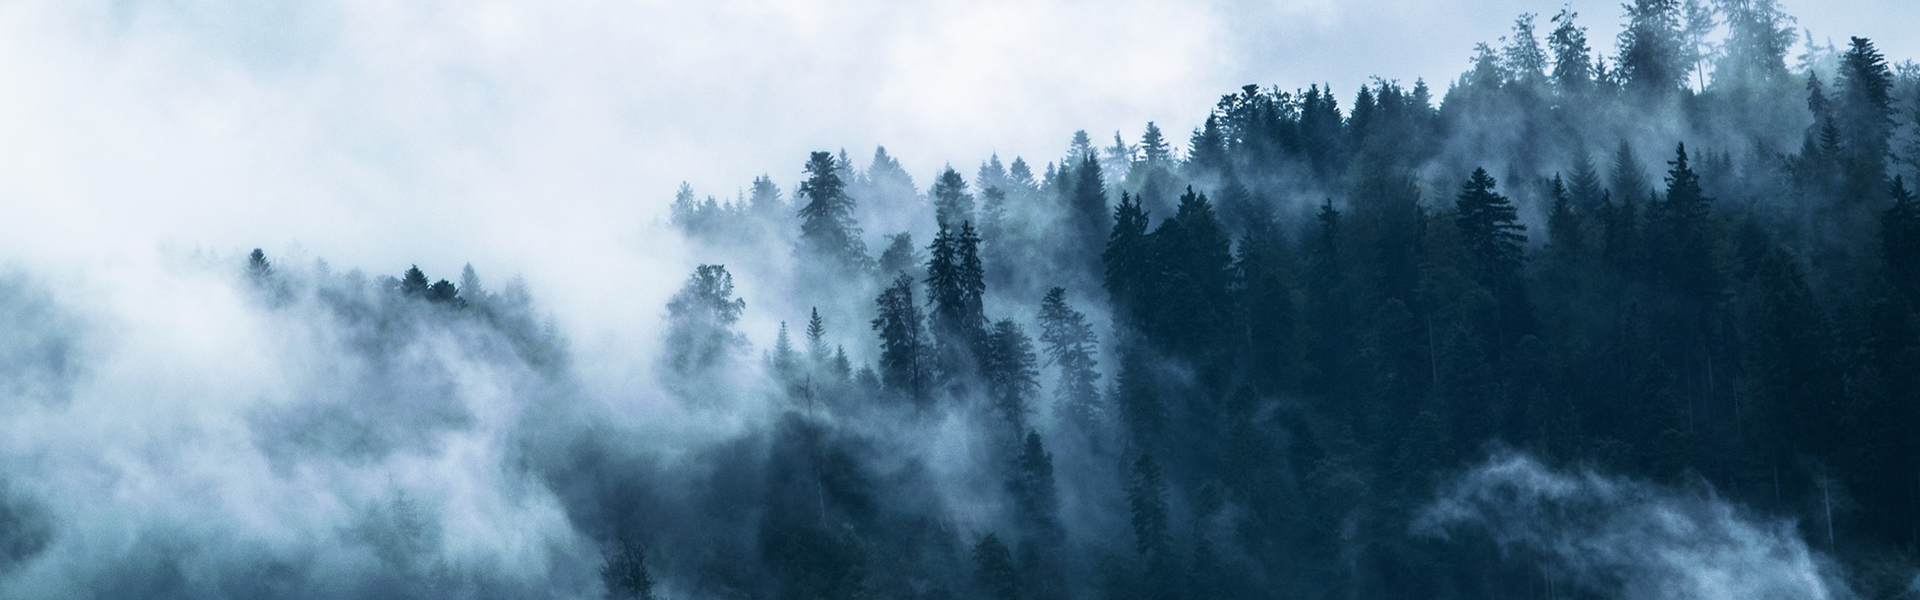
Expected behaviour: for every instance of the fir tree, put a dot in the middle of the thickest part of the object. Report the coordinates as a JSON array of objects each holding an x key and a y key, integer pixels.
[
  {"x": 1572, "y": 58},
  {"x": 817, "y": 339},
  {"x": 413, "y": 283},
  {"x": 1012, "y": 373},
  {"x": 951, "y": 202},
  {"x": 1653, "y": 61},
  {"x": 903, "y": 367},
  {"x": 700, "y": 320},
  {"x": 1900, "y": 240},
  {"x": 1490, "y": 226},
  {"x": 827, "y": 228},
  {"x": 1071, "y": 345}
]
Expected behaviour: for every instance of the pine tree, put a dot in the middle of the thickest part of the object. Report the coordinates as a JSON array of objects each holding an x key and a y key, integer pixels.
[
  {"x": 1585, "y": 187},
  {"x": 259, "y": 271},
  {"x": 1758, "y": 36},
  {"x": 785, "y": 362},
  {"x": 1126, "y": 257},
  {"x": 994, "y": 570},
  {"x": 1566, "y": 233},
  {"x": 1572, "y": 58},
  {"x": 1687, "y": 240},
  {"x": 827, "y": 228},
  {"x": 1147, "y": 503},
  {"x": 1628, "y": 180},
  {"x": 471, "y": 289},
  {"x": 1864, "y": 115},
  {"x": 1491, "y": 229},
  {"x": 817, "y": 339},
  {"x": 1525, "y": 60},
  {"x": 700, "y": 320},
  {"x": 956, "y": 291},
  {"x": 1900, "y": 240},
  {"x": 1653, "y": 61},
  {"x": 1012, "y": 373},
  {"x": 903, "y": 367},
  {"x": 413, "y": 283},
  {"x": 899, "y": 257},
  {"x": 951, "y": 202},
  {"x": 1088, "y": 207},
  {"x": 1071, "y": 346}
]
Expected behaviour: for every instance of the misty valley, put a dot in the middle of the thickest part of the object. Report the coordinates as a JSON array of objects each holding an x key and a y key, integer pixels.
[{"x": 1572, "y": 325}]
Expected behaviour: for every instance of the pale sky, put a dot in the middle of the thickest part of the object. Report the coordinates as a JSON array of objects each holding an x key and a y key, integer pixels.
[{"x": 523, "y": 133}]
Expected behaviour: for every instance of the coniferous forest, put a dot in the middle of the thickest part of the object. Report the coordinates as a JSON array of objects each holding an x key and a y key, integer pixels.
[{"x": 1570, "y": 325}]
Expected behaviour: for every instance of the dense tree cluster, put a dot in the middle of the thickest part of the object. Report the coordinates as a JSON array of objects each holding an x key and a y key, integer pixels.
[{"x": 1258, "y": 355}]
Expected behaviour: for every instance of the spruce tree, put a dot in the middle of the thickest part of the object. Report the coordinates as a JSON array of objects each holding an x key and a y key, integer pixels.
[
  {"x": 828, "y": 230},
  {"x": 1572, "y": 58},
  {"x": 1126, "y": 259},
  {"x": 1012, "y": 373},
  {"x": 951, "y": 203},
  {"x": 413, "y": 283},
  {"x": 1900, "y": 240},
  {"x": 903, "y": 366},
  {"x": 1653, "y": 61},
  {"x": 700, "y": 321},
  {"x": 1490, "y": 227},
  {"x": 1071, "y": 346},
  {"x": 1088, "y": 207},
  {"x": 817, "y": 339}
]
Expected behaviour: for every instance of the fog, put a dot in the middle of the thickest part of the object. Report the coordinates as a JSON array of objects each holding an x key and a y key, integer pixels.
[{"x": 175, "y": 425}]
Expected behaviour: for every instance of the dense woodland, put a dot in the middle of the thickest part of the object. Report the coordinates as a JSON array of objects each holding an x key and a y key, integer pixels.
[{"x": 1242, "y": 365}]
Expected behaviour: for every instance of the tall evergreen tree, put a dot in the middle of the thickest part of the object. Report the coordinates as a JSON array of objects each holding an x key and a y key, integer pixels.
[
  {"x": 1900, "y": 240},
  {"x": 1864, "y": 115},
  {"x": 1572, "y": 58},
  {"x": 1088, "y": 207},
  {"x": 1012, "y": 373},
  {"x": 827, "y": 228},
  {"x": 700, "y": 320},
  {"x": 951, "y": 203},
  {"x": 1490, "y": 226},
  {"x": 1653, "y": 60},
  {"x": 903, "y": 365},
  {"x": 817, "y": 339},
  {"x": 1071, "y": 346},
  {"x": 956, "y": 290}
]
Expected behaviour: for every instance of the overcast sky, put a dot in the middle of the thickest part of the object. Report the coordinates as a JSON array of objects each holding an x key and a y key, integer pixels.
[{"x": 525, "y": 133}]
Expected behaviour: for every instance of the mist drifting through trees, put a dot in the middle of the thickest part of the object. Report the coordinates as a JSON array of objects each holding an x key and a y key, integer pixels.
[{"x": 1574, "y": 324}]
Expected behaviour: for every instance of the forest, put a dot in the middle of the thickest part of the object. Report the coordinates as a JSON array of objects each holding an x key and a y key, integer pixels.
[{"x": 1640, "y": 325}]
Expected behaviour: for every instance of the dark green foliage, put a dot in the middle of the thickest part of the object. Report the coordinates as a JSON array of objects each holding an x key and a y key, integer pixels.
[
  {"x": 1653, "y": 60},
  {"x": 1572, "y": 59},
  {"x": 1071, "y": 346},
  {"x": 413, "y": 283},
  {"x": 827, "y": 227},
  {"x": 903, "y": 362},
  {"x": 1306, "y": 342},
  {"x": 956, "y": 292},
  {"x": 951, "y": 203},
  {"x": 1491, "y": 229},
  {"x": 1012, "y": 373},
  {"x": 1147, "y": 503},
  {"x": 1900, "y": 240}
]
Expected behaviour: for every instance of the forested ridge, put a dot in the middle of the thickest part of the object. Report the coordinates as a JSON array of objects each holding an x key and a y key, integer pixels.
[
  {"x": 1639, "y": 325},
  {"x": 1263, "y": 351}
]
